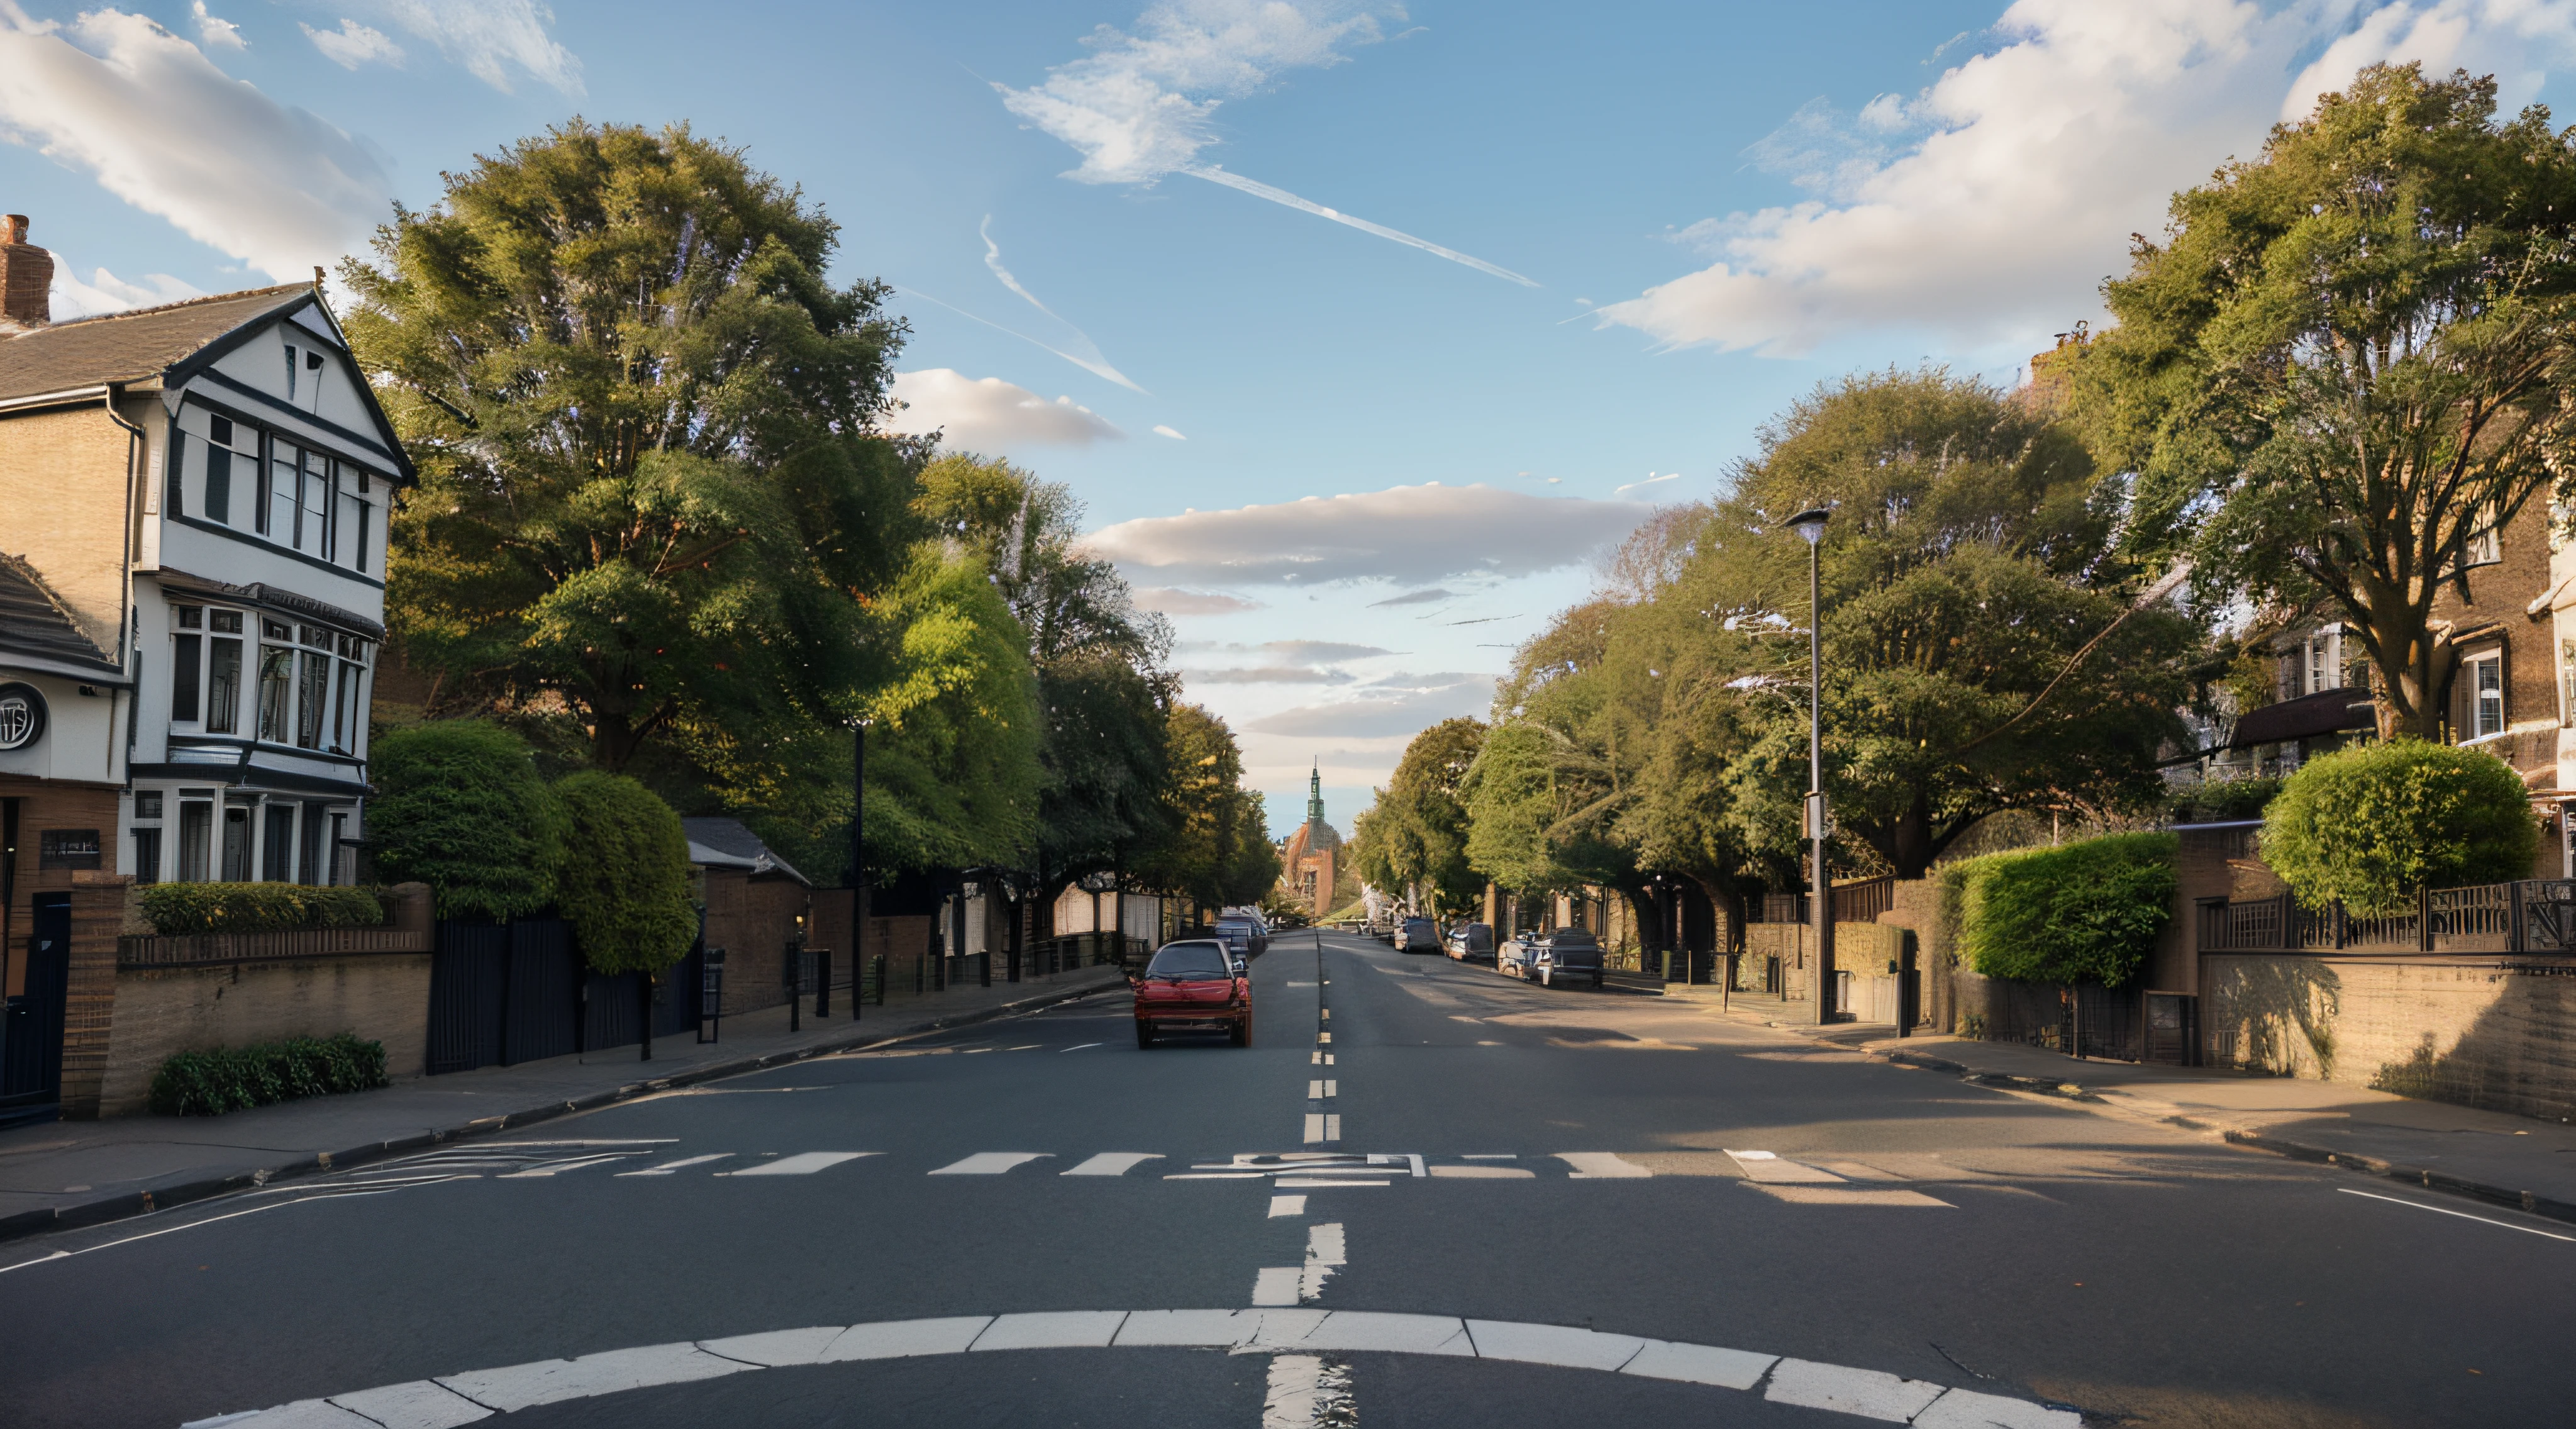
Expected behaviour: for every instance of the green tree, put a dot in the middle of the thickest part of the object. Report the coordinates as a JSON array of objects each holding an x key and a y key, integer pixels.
[
  {"x": 2370, "y": 824},
  {"x": 651, "y": 492},
  {"x": 459, "y": 806},
  {"x": 2354, "y": 354},
  {"x": 621, "y": 874},
  {"x": 953, "y": 769},
  {"x": 1217, "y": 851},
  {"x": 1417, "y": 831}
]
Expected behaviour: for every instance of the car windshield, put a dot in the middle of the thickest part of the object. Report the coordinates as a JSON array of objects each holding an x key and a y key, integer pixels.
[{"x": 1184, "y": 961}]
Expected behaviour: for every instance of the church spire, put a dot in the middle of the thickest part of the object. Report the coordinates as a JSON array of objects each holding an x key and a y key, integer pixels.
[{"x": 1315, "y": 795}]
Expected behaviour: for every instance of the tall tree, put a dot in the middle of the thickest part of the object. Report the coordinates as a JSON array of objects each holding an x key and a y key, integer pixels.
[
  {"x": 1217, "y": 849},
  {"x": 652, "y": 492},
  {"x": 2354, "y": 353},
  {"x": 1416, "y": 834}
]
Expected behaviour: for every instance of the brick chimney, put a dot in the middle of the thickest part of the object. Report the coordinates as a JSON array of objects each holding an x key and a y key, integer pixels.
[{"x": 26, "y": 277}]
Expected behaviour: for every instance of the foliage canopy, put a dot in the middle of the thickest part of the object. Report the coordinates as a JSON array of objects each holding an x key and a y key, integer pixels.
[{"x": 2371, "y": 824}]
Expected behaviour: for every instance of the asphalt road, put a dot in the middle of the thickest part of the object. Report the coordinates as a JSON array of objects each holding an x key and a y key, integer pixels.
[{"x": 1522, "y": 1157}]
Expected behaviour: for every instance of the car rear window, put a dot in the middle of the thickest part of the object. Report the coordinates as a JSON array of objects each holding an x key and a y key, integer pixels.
[{"x": 1186, "y": 960}]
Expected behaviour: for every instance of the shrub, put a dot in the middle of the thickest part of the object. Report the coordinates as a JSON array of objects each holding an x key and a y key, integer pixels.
[
  {"x": 2081, "y": 912},
  {"x": 460, "y": 808},
  {"x": 239, "y": 1078},
  {"x": 2372, "y": 823},
  {"x": 2220, "y": 800},
  {"x": 622, "y": 874},
  {"x": 175, "y": 909}
]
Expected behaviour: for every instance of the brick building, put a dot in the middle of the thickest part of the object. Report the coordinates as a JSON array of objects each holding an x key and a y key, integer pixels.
[{"x": 1309, "y": 862}]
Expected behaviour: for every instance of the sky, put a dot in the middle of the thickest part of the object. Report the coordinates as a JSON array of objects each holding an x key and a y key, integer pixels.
[{"x": 1361, "y": 330}]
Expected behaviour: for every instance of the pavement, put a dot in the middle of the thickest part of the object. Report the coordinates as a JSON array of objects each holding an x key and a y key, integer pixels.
[
  {"x": 82, "y": 1173},
  {"x": 2498, "y": 1157},
  {"x": 1424, "y": 1195}
]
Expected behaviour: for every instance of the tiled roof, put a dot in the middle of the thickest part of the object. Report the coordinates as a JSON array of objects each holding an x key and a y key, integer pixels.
[
  {"x": 728, "y": 843},
  {"x": 32, "y": 622},
  {"x": 128, "y": 346}
]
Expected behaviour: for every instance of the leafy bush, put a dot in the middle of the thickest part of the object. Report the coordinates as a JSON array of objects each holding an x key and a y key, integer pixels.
[
  {"x": 460, "y": 808},
  {"x": 622, "y": 874},
  {"x": 239, "y": 1078},
  {"x": 2221, "y": 800},
  {"x": 181, "y": 908},
  {"x": 2081, "y": 912},
  {"x": 2372, "y": 823}
]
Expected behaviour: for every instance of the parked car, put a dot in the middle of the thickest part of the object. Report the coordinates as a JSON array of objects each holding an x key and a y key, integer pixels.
[
  {"x": 1417, "y": 935},
  {"x": 1196, "y": 985},
  {"x": 1472, "y": 942},
  {"x": 1243, "y": 936},
  {"x": 1560, "y": 955}
]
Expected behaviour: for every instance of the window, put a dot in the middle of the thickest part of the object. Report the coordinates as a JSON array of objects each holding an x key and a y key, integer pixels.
[
  {"x": 2481, "y": 685},
  {"x": 277, "y": 502},
  {"x": 345, "y": 715},
  {"x": 2484, "y": 549},
  {"x": 349, "y": 521},
  {"x": 147, "y": 805},
  {"x": 2567, "y": 684},
  {"x": 236, "y": 843},
  {"x": 196, "y": 834},
  {"x": 276, "y": 685},
  {"x": 313, "y": 519},
  {"x": 309, "y": 861},
  {"x": 226, "y": 443},
  {"x": 277, "y": 851},
  {"x": 224, "y": 676},
  {"x": 313, "y": 701},
  {"x": 147, "y": 855},
  {"x": 290, "y": 372},
  {"x": 185, "y": 658}
]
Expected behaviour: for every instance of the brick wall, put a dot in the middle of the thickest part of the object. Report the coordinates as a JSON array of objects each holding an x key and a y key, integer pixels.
[
  {"x": 63, "y": 483},
  {"x": 89, "y": 1004},
  {"x": 380, "y": 996},
  {"x": 751, "y": 919},
  {"x": 2476, "y": 1031}
]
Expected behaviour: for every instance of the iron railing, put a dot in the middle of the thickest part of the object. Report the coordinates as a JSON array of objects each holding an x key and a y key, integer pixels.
[{"x": 2533, "y": 915}]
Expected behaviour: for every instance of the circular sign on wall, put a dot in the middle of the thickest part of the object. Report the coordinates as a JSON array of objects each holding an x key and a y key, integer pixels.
[{"x": 22, "y": 716}]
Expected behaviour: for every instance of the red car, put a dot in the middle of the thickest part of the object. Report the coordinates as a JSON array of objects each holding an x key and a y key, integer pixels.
[{"x": 1194, "y": 986}]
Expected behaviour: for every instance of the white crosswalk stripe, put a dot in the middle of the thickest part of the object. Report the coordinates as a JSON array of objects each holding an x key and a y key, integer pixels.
[
  {"x": 1113, "y": 1163},
  {"x": 990, "y": 1163},
  {"x": 803, "y": 1163},
  {"x": 668, "y": 1167}
]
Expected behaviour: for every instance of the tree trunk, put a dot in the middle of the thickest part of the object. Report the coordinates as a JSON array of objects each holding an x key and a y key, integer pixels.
[{"x": 1910, "y": 845}]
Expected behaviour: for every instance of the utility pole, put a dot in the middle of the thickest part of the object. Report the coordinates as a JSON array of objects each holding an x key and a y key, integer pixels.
[{"x": 1810, "y": 524}]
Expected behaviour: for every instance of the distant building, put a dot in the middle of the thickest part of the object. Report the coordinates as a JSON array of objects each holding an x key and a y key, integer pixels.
[{"x": 1310, "y": 860}]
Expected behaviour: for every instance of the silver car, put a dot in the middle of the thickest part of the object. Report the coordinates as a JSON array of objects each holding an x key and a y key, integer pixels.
[{"x": 1558, "y": 955}]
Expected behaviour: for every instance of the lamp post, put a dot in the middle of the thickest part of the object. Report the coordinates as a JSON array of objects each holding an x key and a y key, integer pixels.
[
  {"x": 1810, "y": 525},
  {"x": 858, "y": 866}
]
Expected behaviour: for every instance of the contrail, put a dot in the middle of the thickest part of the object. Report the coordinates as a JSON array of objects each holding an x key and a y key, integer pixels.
[
  {"x": 1217, "y": 175},
  {"x": 1100, "y": 368},
  {"x": 1097, "y": 362},
  {"x": 1650, "y": 480}
]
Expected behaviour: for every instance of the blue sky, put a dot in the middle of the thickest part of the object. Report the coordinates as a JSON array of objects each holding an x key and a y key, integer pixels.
[{"x": 1714, "y": 207}]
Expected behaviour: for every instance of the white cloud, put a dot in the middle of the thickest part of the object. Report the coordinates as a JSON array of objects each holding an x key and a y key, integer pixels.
[
  {"x": 1387, "y": 712},
  {"x": 217, "y": 34},
  {"x": 1265, "y": 675},
  {"x": 492, "y": 38},
  {"x": 1140, "y": 106},
  {"x": 1411, "y": 535},
  {"x": 107, "y": 293},
  {"x": 1992, "y": 204},
  {"x": 1163, "y": 431},
  {"x": 353, "y": 45},
  {"x": 1293, "y": 651},
  {"x": 989, "y": 414},
  {"x": 1171, "y": 600},
  {"x": 165, "y": 130}
]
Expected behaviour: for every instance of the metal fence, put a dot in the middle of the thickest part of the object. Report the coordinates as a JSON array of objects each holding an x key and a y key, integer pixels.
[
  {"x": 2533, "y": 915},
  {"x": 2084, "y": 1020},
  {"x": 504, "y": 993}
]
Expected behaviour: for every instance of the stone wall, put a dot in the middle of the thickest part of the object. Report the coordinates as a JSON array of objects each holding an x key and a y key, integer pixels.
[
  {"x": 2485, "y": 1032},
  {"x": 383, "y": 997}
]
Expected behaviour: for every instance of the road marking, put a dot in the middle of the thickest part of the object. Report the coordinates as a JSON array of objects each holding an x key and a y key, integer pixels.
[
  {"x": 1484, "y": 1173},
  {"x": 1326, "y": 1245},
  {"x": 1310, "y": 1183},
  {"x": 1772, "y": 1169},
  {"x": 803, "y": 1163},
  {"x": 1113, "y": 1163},
  {"x": 1847, "y": 1195},
  {"x": 1323, "y": 1039},
  {"x": 2463, "y": 1215},
  {"x": 1489, "y": 1156},
  {"x": 1332, "y": 1126},
  {"x": 1276, "y": 1285},
  {"x": 556, "y": 1168},
  {"x": 667, "y": 1167},
  {"x": 1601, "y": 1166},
  {"x": 1086, "y": 1044},
  {"x": 1286, "y": 1206},
  {"x": 1314, "y": 1127},
  {"x": 1306, "y": 1392},
  {"x": 1217, "y": 1176},
  {"x": 1320, "y": 1089},
  {"x": 1277, "y": 1328},
  {"x": 990, "y": 1163}
]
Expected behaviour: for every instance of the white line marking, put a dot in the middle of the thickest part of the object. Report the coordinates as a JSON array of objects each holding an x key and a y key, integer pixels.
[
  {"x": 1113, "y": 1163},
  {"x": 557, "y": 1168},
  {"x": 1390, "y": 1334},
  {"x": 1552, "y": 1345},
  {"x": 903, "y": 1339},
  {"x": 667, "y": 1167},
  {"x": 1287, "y": 1206},
  {"x": 1332, "y": 1126},
  {"x": 1314, "y": 1127},
  {"x": 803, "y": 1163},
  {"x": 990, "y": 1163},
  {"x": 1305, "y": 1392},
  {"x": 1489, "y": 1156},
  {"x": 1276, "y": 1285},
  {"x": 1847, "y": 1195},
  {"x": 2444, "y": 1211},
  {"x": 1216, "y": 1176},
  {"x": 418, "y": 1405},
  {"x": 1086, "y": 1044},
  {"x": 524, "y": 1386},
  {"x": 1314, "y": 1059},
  {"x": 1325, "y": 1245},
  {"x": 1052, "y": 1330},
  {"x": 1483, "y": 1173},
  {"x": 1774, "y": 1170},
  {"x": 1869, "y": 1393},
  {"x": 1967, "y": 1409},
  {"x": 1313, "y": 1184},
  {"x": 192, "y": 1225},
  {"x": 1601, "y": 1166},
  {"x": 1700, "y": 1364}
]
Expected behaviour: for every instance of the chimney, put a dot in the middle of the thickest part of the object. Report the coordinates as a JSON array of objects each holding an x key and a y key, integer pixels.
[{"x": 26, "y": 277}]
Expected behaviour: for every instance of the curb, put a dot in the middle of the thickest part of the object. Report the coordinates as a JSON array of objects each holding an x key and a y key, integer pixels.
[
  {"x": 2165, "y": 1113},
  {"x": 137, "y": 1203}
]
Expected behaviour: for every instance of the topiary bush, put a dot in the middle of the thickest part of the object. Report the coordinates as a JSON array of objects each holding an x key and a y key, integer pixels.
[
  {"x": 460, "y": 807},
  {"x": 239, "y": 1078},
  {"x": 622, "y": 874},
  {"x": 178, "y": 909},
  {"x": 2082, "y": 912},
  {"x": 2372, "y": 823}
]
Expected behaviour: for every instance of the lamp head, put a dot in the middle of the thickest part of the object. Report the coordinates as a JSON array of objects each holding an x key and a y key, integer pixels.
[{"x": 1809, "y": 523}]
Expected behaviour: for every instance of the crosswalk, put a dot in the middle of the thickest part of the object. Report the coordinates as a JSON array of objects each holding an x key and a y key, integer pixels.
[{"x": 1811, "y": 1180}]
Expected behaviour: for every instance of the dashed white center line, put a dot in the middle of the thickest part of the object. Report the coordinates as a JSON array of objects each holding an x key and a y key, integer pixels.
[
  {"x": 1085, "y": 1044},
  {"x": 1601, "y": 1166},
  {"x": 990, "y": 1163},
  {"x": 1113, "y": 1163},
  {"x": 1287, "y": 1206},
  {"x": 803, "y": 1163},
  {"x": 667, "y": 1167}
]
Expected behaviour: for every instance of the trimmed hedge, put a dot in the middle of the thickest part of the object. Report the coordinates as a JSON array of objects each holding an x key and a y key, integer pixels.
[
  {"x": 622, "y": 874},
  {"x": 2372, "y": 823},
  {"x": 239, "y": 1078},
  {"x": 462, "y": 809},
  {"x": 178, "y": 909},
  {"x": 2086, "y": 912}
]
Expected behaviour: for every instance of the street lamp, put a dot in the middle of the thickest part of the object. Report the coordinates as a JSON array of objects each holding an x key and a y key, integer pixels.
[
  {"x": 858, "y": 866},
  {"x": 1810, "y": 525}
]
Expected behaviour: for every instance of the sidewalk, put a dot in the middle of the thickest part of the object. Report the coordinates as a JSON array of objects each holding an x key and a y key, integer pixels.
[
  {"x": 2493, "y": 1156},
  {"x": 79, "y": 1173}
]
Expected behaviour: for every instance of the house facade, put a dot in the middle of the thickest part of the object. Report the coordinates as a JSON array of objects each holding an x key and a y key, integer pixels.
[{"x": 199, "y": 494}]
